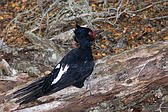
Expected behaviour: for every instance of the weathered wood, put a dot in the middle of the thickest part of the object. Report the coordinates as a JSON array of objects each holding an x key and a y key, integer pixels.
[
  {"x": 42, "y": 42},
  {"x": 122, "y": 80},
  {"x": 4, "y": 66}
]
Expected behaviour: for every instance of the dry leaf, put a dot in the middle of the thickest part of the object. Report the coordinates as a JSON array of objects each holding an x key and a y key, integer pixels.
[
  {"x": 165, "y": 38},
  {"x": 103, "y": 46},
  {"x": 93, "y": 7}
]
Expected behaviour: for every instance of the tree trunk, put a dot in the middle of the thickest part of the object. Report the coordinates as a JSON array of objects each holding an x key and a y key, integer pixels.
[{"x": 135, "y": 80}]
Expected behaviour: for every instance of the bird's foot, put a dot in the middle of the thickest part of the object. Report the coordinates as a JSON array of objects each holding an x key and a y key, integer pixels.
[{"x": 88, "y": 85}]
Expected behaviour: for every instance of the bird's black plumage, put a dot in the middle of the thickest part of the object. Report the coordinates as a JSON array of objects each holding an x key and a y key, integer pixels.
[{"x": 73, "y": 69}]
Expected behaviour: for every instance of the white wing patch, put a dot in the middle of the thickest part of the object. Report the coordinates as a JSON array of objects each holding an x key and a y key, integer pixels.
[
  {"x": 58, "y": 66},
  {"x": 61, "y": 72}
]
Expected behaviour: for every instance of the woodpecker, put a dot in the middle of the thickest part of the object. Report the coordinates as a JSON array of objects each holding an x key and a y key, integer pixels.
[{"x": 72, "y": 70}]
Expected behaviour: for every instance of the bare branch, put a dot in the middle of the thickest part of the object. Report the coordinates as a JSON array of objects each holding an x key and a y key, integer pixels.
[
  {"x": 149, "y": 6},
  {"x": 158, "y": 18}
]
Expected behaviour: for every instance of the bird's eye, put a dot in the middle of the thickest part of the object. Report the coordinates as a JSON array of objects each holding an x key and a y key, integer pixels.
[{"x": 92, "y": 35}]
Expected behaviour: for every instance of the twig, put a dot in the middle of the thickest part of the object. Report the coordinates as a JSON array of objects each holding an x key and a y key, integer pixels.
[
  {"x": 15, "y": 19},
  {"x": 103, "y": 14},
  {"x": 149, "y": 6},
  {"x": 118, "y": 10},
  {"x": 49, "y": 9},
  {"x": 160, "y": 107},
  {"x": 158, "y": 18},
  {"x": 142, "y": 68}
]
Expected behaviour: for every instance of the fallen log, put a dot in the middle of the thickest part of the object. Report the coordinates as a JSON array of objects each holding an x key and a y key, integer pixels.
[{"x": 129, "y": 81}]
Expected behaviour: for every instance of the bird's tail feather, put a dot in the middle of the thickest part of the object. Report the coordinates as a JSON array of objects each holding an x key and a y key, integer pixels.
[
  {"x": 33, "y": 91},
  {"x": 29, "y": 97},
  {"x": 27, "y": 89},
  {"x": 40, "y": 88}
]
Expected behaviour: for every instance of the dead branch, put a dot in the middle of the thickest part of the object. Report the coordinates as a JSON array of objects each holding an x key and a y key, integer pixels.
[
  {"x": 8, "y": 78},
  {"x": 158, "y": 18},
  {"x": 103, "y": 14},
  {"x": 42, "y": 42},
  {"x": 147, "y": 7},
  {"x": 65, "y": 36}
]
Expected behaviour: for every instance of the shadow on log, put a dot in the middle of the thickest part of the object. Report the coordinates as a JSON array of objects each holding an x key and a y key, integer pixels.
[{"x": 132, "y": 81}]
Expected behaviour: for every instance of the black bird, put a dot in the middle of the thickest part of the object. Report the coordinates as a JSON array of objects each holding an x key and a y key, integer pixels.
[{"x": 73, "y": 69}]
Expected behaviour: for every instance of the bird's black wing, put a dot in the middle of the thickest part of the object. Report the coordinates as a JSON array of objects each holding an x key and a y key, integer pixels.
[
  {"x": 78, "y": 69},
  {"x": 70, "y": 71},
  {"x": 75, "y": 75}
]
